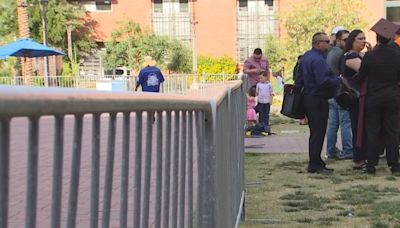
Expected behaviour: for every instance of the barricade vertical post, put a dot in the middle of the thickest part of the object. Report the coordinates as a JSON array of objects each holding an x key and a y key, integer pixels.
[
  {"x": 109, "y": 170},
  {"x": 32, "y": 172},
  {"x": 95, "y": 173},
  {"x": 159, "y": 139},
  {"x": 57, "y": 171},
  {"x": 190, "y": 171},
  {"x": 75, "y": 171},
  {"x": 206, "y": 160},
  {"x": 147, "y": 170},
  {"x": 167, "y": 170},
  {"x": 4, "y": 169},
  {"x": 125, "y": 170},
  {"x": 137, "y": 187}
]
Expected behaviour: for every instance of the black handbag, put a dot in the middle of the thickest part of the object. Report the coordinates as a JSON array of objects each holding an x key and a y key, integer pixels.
[
  {"x": 346, "y": 96},
  {"x": 292, "y": 105}
]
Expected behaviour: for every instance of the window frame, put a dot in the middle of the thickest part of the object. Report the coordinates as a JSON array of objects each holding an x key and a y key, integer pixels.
[
  {"x": 103, "y": 3},
  {"x": 243, "y": 8},
  {"x": 159, "y": 8},
  {"x": 391, "y": 4},
  {"x": 183, "y": 6}
]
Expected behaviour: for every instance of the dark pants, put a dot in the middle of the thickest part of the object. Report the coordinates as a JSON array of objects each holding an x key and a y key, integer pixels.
[
  {"x": 263, "y": 115},
  {"x": 381, "y": 122},
  {"x": 359, "y": 154},
  {"x": 317, "y": 111}
]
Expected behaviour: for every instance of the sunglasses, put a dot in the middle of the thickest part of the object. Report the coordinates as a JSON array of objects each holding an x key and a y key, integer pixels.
[{"x": 326, "y": 41}]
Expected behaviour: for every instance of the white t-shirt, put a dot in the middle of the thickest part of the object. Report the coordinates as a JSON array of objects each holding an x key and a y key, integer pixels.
[{"x": 264, "y": 91}]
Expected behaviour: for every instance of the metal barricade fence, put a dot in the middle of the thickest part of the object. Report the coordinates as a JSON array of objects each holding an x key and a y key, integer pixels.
[
  {"x": 183, "y": 170},
  {"x": 174, "y": 83}
]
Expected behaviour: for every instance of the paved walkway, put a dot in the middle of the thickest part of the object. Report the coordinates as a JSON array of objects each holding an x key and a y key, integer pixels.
[{"x": 288, "y": 138}]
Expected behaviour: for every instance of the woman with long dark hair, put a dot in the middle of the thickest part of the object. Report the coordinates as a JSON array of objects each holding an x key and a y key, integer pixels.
[{"x": 355, "y": 44}]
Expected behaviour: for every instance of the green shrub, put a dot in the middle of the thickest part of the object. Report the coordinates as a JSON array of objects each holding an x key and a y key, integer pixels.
[{"x": 210, "y": 65}]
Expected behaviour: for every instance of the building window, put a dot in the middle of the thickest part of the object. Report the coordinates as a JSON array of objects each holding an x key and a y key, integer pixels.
[
  {"x": 242, "y": 5},
  {"x": 183, "y": 6},
  {"x": 158, "y": 6},
  {"x": 393, "y": 10},
  {"x": 253, "y": 25},
  {"x": 103, "y": 5},
  {"x": 393, "y": 14},
  {"x": 269, "y": 3}
]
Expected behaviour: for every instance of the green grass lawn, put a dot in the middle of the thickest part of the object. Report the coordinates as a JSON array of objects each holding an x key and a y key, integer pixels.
[{"x": 280, "y": 193}]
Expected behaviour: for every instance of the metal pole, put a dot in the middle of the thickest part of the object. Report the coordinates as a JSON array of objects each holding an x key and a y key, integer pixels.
[
  {"x": 193, "y": 23},
  {"x": 43, "y": 6}
]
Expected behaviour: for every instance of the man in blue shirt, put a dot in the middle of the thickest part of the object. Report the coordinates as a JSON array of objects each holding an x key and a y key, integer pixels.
[
  {"x": 319, "y": 84},
  {"x": 150, "y": 77}
]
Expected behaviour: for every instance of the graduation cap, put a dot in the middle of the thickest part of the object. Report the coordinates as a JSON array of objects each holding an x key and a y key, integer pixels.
[{"x": 385, "y": 28}]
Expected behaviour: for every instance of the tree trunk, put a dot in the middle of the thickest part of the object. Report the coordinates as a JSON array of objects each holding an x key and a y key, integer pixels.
[{"x": 23, "y": 27}]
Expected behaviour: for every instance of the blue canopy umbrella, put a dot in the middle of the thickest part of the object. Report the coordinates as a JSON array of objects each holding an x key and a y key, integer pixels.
[{"x": 26, "y": 47}]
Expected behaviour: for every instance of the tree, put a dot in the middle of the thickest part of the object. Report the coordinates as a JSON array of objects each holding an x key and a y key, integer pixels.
[
  {"x": 59, "y": 14},
  {"x": 130, "y": 43},
  {"x": 8, "y": 18},
  {"x": 311, "y": 16},
  {"x": 275, "y": 52},
  {"x": 23, "y": 28}
]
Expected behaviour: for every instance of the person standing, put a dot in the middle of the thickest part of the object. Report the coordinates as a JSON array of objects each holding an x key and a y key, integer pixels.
[
  {"x": 255, "y": 65},
  {"x": 395, "y": 44},
  {"x": 264, "y": 92},
  {"x": 251, "y": 115},
  {"x": 150, "y": 77},
  {"x": 332, "y": 38},
  {"x": 381, "y": 68},
  {"x": 319, "y": 84},
  {"x": 338, "y": 117},
  {"x": 355, "y": 44}
]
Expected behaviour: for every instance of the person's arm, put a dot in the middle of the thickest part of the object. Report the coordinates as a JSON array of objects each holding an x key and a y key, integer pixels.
[
  {"x": 354, "y": 64},
  {"x": 139, "y": 80},
  {"x": 362, "y": 73},
  {"x": 257, "y": 90},
  {"x": 323, "y": 75},
  {"x": 247, "y": 68}
]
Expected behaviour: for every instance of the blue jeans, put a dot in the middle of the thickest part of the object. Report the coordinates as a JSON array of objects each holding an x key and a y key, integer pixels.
[
  {"x": 338, "y": 118},
  {"x": 263, "y": 113}
]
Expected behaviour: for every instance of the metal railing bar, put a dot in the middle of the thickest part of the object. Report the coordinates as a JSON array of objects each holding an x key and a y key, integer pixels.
[
  {"x": 4, "y": 170},
  {"x": 147, "y": 169},
  {"x": 158, "y": 199},
  {"x": 190, "y": 171},
  {"x": 32, "y": 172},
  {"x": 167, "y": 169},
  {"x": 137, "y": 187},
  {"x": 57, "y": 171},
  {"x": 95, "y": 173},
  {"x": 175, "y": 162},
  {"x": 75, "y": 171},
  {"x": 125, "y": 170},
  {"x": 52, "y": 101},
  {"x": 199, "y": 118},
  {"x": 182, "y": 170},
  {"x": 109, "y": 170}
]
